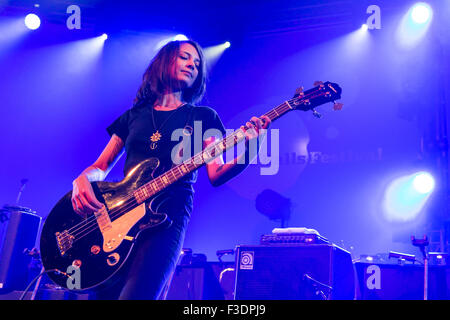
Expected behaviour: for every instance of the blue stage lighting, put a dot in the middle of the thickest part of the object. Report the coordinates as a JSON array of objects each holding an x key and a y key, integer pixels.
[
  {"x": 406, "y": 196},
  {"x": 227, "y": 44},
  {"x": 414, "y": 25},
  {"x": 423, "y": 182},
  {"x": 32, "y": 21},
  {"x": 421, "y": 13},
  {"x": 180, "y": 37},
  {"x": 104, "y": 37}
]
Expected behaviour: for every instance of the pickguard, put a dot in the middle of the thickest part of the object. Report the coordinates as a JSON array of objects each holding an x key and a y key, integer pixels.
[{"x": 119, "y": 228}]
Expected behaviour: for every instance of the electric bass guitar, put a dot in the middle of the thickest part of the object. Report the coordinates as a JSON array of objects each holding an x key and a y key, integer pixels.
[{"x": 82, "y": 253}]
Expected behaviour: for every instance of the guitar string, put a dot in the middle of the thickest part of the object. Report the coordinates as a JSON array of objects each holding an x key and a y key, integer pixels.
[
  {"x": 160, "y": 184},
  {"x": 130, "y": 202},
  {"x": 210, "y": 148},
  {"x": 132, "y": 197},
  {"x": 89, "y": 227},
  {"x": 157, "y": 181},
  {"x": 200, "y": 155},
  {"x": 207, "y": 150},
  {"x": 94, "y": 226}
]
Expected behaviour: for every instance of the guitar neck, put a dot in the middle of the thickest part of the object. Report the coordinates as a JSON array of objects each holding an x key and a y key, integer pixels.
[{"x": 209, "y": 153}]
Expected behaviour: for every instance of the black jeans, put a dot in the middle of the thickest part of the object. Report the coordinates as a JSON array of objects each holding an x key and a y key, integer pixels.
[{"x": 154, "y": 257}]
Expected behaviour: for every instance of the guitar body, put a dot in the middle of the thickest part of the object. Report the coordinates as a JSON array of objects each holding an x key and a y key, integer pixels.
[{"x": 96, "y": 249}]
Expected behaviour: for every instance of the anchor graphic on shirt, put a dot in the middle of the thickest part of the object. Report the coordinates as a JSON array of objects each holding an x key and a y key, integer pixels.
[{"x": 155, "y": 138}]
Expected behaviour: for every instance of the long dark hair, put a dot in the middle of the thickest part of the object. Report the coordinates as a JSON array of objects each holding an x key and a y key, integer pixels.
[{"x": 157, "y": 76}]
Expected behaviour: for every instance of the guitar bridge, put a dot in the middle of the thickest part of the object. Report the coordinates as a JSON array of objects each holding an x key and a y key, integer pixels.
[{"x": 64, "y": 240}]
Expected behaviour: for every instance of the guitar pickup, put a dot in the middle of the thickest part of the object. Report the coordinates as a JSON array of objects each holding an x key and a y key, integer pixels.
[
  {"x": 103, "y": 220},
  {"x": 64, "y": 241}
]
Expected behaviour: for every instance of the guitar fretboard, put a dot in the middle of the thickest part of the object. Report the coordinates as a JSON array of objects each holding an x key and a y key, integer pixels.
[
  {"x": 320, "y": 94},
  {"x": 208, "y": 154}
]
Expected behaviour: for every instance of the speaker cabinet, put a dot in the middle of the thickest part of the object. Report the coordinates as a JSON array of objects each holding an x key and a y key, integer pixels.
[
  {"x": 197, "y": 282},
  {"x": 20, "y": 234},
  {"x": 401, "y": 282},
  {"x": 294, "y": 272}
]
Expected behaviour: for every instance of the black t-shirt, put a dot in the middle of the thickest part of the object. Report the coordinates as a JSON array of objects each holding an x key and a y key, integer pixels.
[{"x": 188, "y": 123}]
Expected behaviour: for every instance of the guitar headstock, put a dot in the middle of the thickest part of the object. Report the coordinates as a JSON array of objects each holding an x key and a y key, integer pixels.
[{"x": 320, "y": 94}]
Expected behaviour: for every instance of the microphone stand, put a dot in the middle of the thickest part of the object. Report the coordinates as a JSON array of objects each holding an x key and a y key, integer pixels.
[
  {"x": 422, "y": 243},
  {"x": 318, "y": 286},
  {"x": 23, "y": 182}
]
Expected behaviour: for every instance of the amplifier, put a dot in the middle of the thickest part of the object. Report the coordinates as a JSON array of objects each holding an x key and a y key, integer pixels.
[
  {"x": 300, "y": 272},
  {"x": 292, "y": 239},
  {"x": 401, "y": 282},
  {"x": 195, "y": 282},
  {"x": 20, "y": 234}
]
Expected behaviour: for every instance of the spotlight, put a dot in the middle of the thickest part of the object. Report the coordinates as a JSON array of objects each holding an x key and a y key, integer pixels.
[
  {"x": 421, "y": 13},
  {"x": 423, "y": 182},
  {"x": 164, "y": 41},
  {"x": 364, "y": 27},
  {"x": 406, "y": 196},
  {"x": 104, "y": 37},
  {"x": 414, "y": 25},
  {"x": 32, "y": 21},
  {"x": 212, "y": 54},
  {"x": 180, "y": 37}
]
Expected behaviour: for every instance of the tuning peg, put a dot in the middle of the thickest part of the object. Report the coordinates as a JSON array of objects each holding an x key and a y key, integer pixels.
[
  {"x": 299, "y": 91},
  {"x": 318, "y": 83},
  {"x": 316, "y": 114},
  {"x": 337, "y": 106}
]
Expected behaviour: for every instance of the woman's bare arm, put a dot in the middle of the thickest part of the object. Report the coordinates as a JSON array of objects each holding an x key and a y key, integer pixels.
[
  {"x": 220, "y": 172},
  {"x": 83, "y": 197}
]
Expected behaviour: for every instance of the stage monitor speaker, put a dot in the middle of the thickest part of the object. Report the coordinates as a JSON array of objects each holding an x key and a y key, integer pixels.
[
  {"x": 196, "y": 282},
  {"x": 401, "y": 282},
  {"x": 20, "y": 234},
  {"x": 294, "y": 272}
]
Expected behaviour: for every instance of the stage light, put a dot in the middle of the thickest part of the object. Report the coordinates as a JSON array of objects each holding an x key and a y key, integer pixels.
[
  {"x": 167, "y": 39},
  {"x": 86, "y": 53},
  {"x": 406, "y": 196},
  {"x": 32, "y": 21},
  {"x": 357, "y": 43},
  {"x": 12, "y": 32},
  {"x": 421, "y": 13},
  {"x": 423, "y": 182},
  {"x": 180, "y": 37},
  {"x": 212, "y": 54},
  {"x": 104, "y": 37},
  {"x": 414, "y": 25}
]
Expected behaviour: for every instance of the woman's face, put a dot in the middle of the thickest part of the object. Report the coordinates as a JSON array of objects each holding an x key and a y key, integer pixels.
[{"x": 185, "y": 68}]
